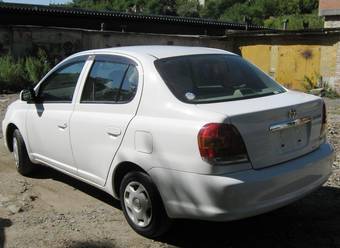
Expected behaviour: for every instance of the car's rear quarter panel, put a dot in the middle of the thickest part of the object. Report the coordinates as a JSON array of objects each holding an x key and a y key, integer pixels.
[{"x": 173, "y": 126}]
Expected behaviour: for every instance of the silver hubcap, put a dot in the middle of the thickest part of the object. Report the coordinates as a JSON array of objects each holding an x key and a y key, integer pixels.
[
  {"x": 137, "y": 204},
  {"x": 15, "y": 151}
]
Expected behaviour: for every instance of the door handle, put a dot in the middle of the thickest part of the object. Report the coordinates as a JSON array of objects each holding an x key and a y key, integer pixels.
[
  {"x": 113, "y": 131},
  {"x": 63, "y": 126}
]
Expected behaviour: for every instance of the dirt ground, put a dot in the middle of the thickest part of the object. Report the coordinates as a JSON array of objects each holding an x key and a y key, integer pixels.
[{"x": 54, "y": 210}]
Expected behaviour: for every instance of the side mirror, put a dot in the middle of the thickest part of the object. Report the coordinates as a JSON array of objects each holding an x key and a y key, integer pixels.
[{"x": 28, "y": 95}]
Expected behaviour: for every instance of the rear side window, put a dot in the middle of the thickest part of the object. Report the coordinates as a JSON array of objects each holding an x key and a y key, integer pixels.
[
  {"x": 214, "y": 78},
  {"x": 129, "y": 86},
  {"x": 60, "y": 85},
  {"x": 110, "y": 82}
]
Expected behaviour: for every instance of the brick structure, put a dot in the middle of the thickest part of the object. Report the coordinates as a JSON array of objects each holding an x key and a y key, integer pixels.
[{"x": 330, "y": 10}]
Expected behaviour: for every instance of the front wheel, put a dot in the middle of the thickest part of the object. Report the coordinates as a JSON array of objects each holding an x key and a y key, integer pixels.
[
  {"x": 142, "y": 205},
  {"x": 24, "y": 166}
]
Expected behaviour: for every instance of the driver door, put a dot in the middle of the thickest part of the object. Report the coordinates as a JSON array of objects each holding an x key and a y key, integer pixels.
[{"x": 47, "y": 120}]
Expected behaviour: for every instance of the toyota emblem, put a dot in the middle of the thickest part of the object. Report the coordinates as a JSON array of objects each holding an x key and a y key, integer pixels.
[{"x": 292, "y": 114}]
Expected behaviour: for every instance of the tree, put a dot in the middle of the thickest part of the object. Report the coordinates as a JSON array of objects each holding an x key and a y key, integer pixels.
[
  {"x": 215, "y": 8},
  {"x": 295, "y": 21},
  {"x": 272, "y": 12},
  {"x": 262, "y": 12},
  {"x": 189, "y": 8},
  {"x": 161, "y": 7}
]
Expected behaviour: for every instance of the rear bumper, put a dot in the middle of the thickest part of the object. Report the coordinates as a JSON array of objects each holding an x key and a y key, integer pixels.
[{"x": 242, "y": 194}]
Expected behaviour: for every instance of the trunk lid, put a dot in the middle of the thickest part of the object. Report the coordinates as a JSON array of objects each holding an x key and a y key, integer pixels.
[{"x": 274, "y": 128}]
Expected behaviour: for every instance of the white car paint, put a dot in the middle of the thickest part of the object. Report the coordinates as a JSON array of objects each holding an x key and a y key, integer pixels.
[{"x": 158, "y": 133}]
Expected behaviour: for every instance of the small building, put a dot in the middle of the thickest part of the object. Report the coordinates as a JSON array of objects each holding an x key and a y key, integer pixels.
[{"x": 330, "y": 9}]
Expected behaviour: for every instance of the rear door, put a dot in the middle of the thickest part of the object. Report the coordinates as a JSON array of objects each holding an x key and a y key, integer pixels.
[{"x": 108, "y": 102}]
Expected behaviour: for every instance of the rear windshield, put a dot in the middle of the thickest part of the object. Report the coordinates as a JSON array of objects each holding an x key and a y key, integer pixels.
[{"x": 214, "y": 78}]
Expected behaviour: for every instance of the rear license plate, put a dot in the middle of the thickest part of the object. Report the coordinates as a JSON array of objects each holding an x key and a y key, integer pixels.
[{"x": 293, "y": 138}]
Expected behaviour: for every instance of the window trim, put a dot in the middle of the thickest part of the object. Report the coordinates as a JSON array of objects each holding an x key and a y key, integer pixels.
[
  {"x": 82, "y": 58},
  {"x": 114, "y": 59}
]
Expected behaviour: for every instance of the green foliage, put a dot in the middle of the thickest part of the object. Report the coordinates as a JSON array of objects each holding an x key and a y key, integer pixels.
[
  {"x": 36, "y": 67},
  {"x": 292, "y": 7},
  {"x": 16, "y": 74},
  {"x": 295, "y": 21},
  {"x": 215, "y": 8},
  {"x": 272, "y": 13},
  {"x": 320, "y": 87},
  {"x": 330, "y": 92},
  {"x": 237, "y": 12},
  {"x": 188, "y": 8},
  {"x": 309, "y": 84},
  {"x": 160, "y": 7},
  {"x": 262, "y": 12},
  {"x": 11, "y": 72}
]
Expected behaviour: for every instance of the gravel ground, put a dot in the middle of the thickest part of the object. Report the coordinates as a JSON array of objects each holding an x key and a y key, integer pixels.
[{"x": 54, "y": 210}]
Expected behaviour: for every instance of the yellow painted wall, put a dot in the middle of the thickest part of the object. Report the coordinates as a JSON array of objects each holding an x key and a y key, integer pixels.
[
  {"x": 297, "y": 62},
  {"x": 288, "y": 64},
  {"x": 258, "y": 55}
]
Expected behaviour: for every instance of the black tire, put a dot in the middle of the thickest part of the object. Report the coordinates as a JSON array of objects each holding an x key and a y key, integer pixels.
[
  {"x": 23, "y": 163},
  {"x": 160, "y": 222}
]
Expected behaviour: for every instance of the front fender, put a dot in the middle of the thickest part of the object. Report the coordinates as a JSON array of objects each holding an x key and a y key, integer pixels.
[{"x": 16, "y": 115}]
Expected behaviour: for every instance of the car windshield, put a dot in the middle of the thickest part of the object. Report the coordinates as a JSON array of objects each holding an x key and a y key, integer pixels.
[{"x": 215, "y": 78}]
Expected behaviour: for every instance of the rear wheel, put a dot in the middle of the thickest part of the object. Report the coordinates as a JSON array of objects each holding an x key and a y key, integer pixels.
[
  {"x": 23, "y": 164},
  {"x": 142, "y": 205}
]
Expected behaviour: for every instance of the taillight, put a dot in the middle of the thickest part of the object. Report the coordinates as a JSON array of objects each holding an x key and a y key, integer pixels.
[
  {"x": 221, "y": 144},
  {"x": 324, "y": 121}
]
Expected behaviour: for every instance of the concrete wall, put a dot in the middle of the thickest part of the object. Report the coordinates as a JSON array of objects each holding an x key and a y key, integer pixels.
[
  {"x": 332, "y": 22},
  {"x": 288, "y": 57},
  {"x": 59, "y": 42}
]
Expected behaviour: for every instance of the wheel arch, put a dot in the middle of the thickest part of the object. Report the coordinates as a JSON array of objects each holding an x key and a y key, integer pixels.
[
  {"x": 11, "y": 127},
  {"x": 120, "y": 171}
]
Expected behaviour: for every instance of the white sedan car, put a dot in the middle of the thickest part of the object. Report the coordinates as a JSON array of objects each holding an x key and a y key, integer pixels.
[{"x": 173, "y": 132}]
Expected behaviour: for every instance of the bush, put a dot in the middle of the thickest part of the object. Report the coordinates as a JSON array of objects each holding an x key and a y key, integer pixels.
[
  {"x": 12, "y": 75},
  {"x": 320, "y": 87},
  {"x": 295, "y": 21},
  {"x": 17, "y": 74},
  {"x": 37, "y": 67}
]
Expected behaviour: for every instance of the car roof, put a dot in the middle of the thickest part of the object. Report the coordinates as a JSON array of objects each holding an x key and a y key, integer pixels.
[{"x": 160, "y": 52}]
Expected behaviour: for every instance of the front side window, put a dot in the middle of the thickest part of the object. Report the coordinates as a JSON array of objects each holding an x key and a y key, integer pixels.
[
  {"x": 60, "y": 85},
  {"x": 214, "y": 78},
  {"x": 110, "y": 82}
]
